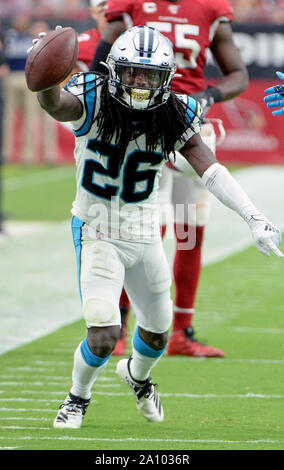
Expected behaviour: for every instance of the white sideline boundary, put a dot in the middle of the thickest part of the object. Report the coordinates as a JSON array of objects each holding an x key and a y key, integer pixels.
[
  {"x": 137, "y": 439},
  {"x": 39, "y": 292},
  {"x": 206, "y": 396}
]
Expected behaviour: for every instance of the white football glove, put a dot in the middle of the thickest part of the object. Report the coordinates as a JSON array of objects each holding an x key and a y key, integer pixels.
[{"x": 266, "y": 236}]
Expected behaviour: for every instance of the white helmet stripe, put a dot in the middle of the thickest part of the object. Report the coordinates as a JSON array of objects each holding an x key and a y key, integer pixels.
[
  {"x": 141, "y": 41},
  {"x": 151, "y": 40},
  {"x": 146, "y": 41}
]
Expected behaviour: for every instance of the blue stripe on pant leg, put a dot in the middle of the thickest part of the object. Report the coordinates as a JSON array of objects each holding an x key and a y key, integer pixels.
[
  {"x": 77, "y": 225},
  {"x": 144, "y": 348}
]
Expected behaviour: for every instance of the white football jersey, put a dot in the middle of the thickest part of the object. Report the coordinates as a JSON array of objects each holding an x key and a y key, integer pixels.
[{"x": 117, "y": 201}]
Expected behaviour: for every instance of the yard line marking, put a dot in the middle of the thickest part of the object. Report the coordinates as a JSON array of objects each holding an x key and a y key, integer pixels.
[
  {"x": 63, "y": 363},
  {"x": 205, "y": 395},
  {"x": 23, "y": 410},
  {"x": 8, "y": 448},
  {"x": 165, "y": 395},
  {"x": 40, "y": 384},
  {"x": 22, "y": 418},
  {"x": 48, "y": 377},
  {"x": 273, "y": 331},
  {"x": 173, "y": 359},
  {"x": 61, "y": 393},
  {"x": 137, "y": 439},
  {"x": 19, "y": 399},
  {"x": 52, "y": 363},
  {"x": 64, "y": 351},
  {"x": 38, "y": 178},
  {"x": 25, "y": 427},
  {"x": 213, "y": 395},
  {"x": 239, "y": 329},
  {"x": 30, "y": 383},
  {"x": 29, "y": 368},
  {"x": 227, "y": 360}
]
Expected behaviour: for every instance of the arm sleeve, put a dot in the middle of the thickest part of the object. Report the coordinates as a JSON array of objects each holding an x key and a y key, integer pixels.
[
  {"x": 100, "y": 55},
  {"x": 225, "y": 188}
]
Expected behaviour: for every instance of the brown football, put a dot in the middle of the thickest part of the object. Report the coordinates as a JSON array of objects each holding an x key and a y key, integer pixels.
[{"x": 51, "y": 59}]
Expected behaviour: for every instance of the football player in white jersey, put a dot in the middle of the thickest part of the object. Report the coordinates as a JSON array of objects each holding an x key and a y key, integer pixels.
[
  {"x": 194, "y": 27},
  {"x": 126, "y": 125}
]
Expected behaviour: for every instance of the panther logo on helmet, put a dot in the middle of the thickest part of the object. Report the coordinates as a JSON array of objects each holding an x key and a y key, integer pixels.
[{"x": 141, "y": 67}]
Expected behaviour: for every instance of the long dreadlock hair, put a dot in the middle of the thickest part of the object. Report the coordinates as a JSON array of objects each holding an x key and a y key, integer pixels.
[{"x": 163, "y": 125}]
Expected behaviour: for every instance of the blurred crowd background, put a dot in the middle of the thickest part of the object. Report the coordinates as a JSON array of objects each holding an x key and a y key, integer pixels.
[
  {"x": 22, "y": 20},
  {"x": 245, "y": 10},
  {"x": 263, "y": 11}
]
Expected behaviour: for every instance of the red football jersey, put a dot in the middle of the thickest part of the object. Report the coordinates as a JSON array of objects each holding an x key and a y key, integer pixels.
[
  {"x": 189, "y": 24},
  {"x": 88, "y": 42}
]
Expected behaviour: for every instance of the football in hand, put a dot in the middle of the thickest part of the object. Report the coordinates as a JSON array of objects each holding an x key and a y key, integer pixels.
[{"x": 51, "y": 59}]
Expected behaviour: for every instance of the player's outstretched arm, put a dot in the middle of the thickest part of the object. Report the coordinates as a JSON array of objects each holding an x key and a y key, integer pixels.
[
  {"x": 275, "y": 96},
  {"x": 221, "y": 183},
  {"x": 60, "y": 104}
]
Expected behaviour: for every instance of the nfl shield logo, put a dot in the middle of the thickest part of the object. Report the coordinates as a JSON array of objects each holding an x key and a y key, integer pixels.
[
  {"x": 173, "y": 9},
  {"x": 149, "y": 7}
]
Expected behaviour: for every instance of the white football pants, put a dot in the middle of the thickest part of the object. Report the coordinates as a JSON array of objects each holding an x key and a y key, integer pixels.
[{"x": 105, "y": 266}]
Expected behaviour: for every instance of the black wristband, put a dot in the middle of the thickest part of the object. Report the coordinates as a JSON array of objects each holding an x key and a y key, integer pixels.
[
  {"x": 100, "y": 55},
  {"x": 216, "y": 94}
]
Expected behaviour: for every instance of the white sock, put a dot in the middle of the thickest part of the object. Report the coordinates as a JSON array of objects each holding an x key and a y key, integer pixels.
[
  {"x": 83, "y": 375},
  {"x": 140, "y": 366}
]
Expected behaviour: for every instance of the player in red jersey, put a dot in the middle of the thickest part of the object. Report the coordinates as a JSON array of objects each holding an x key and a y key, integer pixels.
[
  {"x": 89, "y": 40},
  {"x": 193, "y": 26}
]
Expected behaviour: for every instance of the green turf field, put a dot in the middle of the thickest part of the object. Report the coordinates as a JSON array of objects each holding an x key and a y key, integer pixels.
[
  {"x": 231, "y": 403},
  {"x": 38, "y": 193}
]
